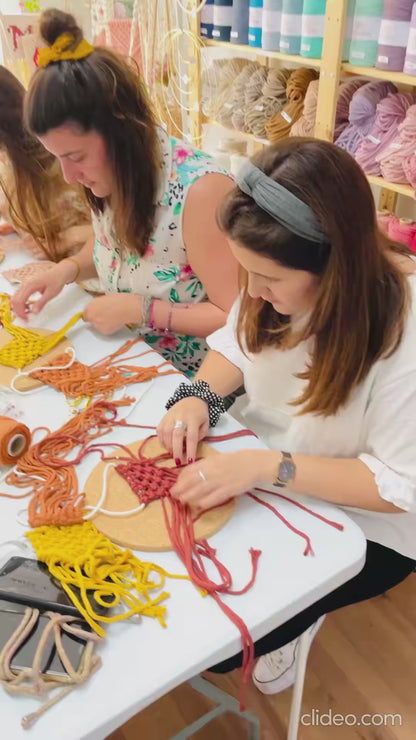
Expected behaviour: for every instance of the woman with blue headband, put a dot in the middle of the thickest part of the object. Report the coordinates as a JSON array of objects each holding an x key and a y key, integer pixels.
[{"x": 323, "y": 337}]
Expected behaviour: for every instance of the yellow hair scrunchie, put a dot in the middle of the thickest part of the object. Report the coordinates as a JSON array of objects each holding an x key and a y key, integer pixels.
[{"x": 59, "y": 51}]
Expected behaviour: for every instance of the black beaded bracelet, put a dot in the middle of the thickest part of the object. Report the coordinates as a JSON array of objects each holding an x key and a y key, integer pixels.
[{"x": 200, "y": 389}]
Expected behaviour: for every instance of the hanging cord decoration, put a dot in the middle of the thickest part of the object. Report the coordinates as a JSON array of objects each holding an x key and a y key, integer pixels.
[{"x": 31, "y": 681}]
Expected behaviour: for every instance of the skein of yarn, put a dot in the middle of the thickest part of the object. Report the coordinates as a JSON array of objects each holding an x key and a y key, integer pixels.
[
  {"x": 291, "y": 28},
  {"x": 239, "y": 22},
  {"x": 391, "y": 111},
  {"x": 345, "y": 93},
  {"x": 239, "y": 89},
  {"x": 362, "y": 113},
  {"x": 255, "y": 22},
  {"x": 398, "y": 154},
  {"x": 272, "y": 100},
  {"x": 400, "y": 150},
  {"x": 223, "y": 16},
  {"x": 279, "y": 126},
  {"x": 410, "y": 60},
  {"x": 272, "y": 20},
  {"x": 207, "y": 19},
  {"x": 313, "y": 28},
  {"x": 394, "y": 34},
  {"x": 365, "y": 31},
  {"x": 305, "y": 126}
]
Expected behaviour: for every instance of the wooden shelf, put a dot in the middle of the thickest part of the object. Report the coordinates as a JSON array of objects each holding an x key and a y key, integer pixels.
[
  {"x": 402, "y": 188},
  {"x": 399, "y": 78},
  {"x": 258, "y": 51},
  {"x": 250, "y": 137}
]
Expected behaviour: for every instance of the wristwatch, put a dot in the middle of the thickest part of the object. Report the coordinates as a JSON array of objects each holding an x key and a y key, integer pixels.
[{"x": 286, "y": 471}]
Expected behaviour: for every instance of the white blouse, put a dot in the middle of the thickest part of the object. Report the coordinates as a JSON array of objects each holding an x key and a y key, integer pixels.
[{"x": 376, "y": 425}]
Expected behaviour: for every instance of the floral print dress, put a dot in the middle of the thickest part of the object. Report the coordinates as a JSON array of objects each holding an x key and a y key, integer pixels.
[{"x": 163, "y": 271}]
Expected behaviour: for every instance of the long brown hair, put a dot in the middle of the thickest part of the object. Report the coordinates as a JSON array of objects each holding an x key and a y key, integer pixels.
[
  {"x": 102, "y": 92},
  {"x": 363, "y": 295},
  {"x": 36, "y": 183}
]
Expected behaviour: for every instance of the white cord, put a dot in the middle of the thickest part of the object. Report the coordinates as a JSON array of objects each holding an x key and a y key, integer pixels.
[
  {"x": 98, "y": 506},
  {"x": 26, "y": 373}
]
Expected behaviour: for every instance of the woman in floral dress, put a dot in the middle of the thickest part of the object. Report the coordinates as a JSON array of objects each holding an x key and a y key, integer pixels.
[{"x": 162, "y": 261}]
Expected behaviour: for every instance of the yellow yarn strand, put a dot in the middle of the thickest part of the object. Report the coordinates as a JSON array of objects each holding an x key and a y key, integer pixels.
[
  {"x": 59, "y": 51},
  {"x": 27, "y": 345},
  {"x": 79, "y": 556}
]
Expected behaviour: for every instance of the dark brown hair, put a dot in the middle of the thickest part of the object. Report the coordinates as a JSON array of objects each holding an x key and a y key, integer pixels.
[
  {"x": 36, "y": 184},
  {"x": 102, "y": 92},
  {"x": 363, "y": 296}
]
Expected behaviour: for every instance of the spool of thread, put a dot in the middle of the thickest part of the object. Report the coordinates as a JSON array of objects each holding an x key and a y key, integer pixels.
[
  {"x": 255, "y": 22},
  {"x": 272, "y": 20},
  {"x": 390, "y": 113},
  {"x": 291, "y": 27},
  {"x": 403, "y": 230},
  {"x": 394, "y": 34},
  {"x": 365, "y": 32},
  {"x": 348, "y": 30},
  {"x": 410, "y": 60},
  {"x": 207, "y": 19},
  {"x": 15, "y": 440},
  {"x": 239, "y": 24},
  {"x": 223, "y": 17},
  {"x": 313, "y": 28},
  {"x": 362, "y": 113}
]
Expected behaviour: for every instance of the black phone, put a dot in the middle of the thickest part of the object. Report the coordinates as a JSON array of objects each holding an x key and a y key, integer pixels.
[
  {"x": 24, "y": 656},
  {"x": 27, "y": 581}
]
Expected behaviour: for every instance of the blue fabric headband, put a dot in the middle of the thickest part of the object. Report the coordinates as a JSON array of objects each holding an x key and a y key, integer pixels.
[{"x": 280, "y": 203}]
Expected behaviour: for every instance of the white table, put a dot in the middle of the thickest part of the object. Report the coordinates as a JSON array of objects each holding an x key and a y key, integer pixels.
[{"x": 141, "y": 662}]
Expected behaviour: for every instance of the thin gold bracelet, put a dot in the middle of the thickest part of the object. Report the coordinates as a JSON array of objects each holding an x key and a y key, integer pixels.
[{"x": 78, "y": 266}]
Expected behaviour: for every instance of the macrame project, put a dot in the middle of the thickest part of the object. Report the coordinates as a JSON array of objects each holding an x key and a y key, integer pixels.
[
  {"x": 83, "y": 558},
  {"x": 27, "y": 344},
  {"x": 103, "y": 377},
  {"x": 31, "y": 681}
]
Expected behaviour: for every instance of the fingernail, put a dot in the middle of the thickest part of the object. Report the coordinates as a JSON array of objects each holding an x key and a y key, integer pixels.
[
  {"x": 177, "y": 462},
  {"x": 190, "y": 460}
]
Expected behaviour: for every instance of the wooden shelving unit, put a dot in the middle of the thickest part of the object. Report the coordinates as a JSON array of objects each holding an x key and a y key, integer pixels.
[
  {"x": 332, "y": 69},
  {"x": 245, "y": 49}
]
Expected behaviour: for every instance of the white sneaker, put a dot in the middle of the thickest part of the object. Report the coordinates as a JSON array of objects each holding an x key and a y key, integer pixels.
[{"x": 276, "y": 671}]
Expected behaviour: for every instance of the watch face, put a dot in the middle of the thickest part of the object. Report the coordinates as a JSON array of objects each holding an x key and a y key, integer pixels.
[{"x": 286, "y": 471}]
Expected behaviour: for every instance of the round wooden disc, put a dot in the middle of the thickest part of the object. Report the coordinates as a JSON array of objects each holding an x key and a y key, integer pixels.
[
  {"x": 27, "y": 384},
  {"x": 145, "y": 530}
]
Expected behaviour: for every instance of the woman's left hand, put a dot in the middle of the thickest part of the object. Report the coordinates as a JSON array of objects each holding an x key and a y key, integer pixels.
[
  {"x": 109, "y": 313},
  {"x": 214, "y": 480}
]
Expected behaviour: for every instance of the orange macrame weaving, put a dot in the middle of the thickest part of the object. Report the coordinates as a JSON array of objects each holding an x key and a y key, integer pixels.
[
  {"x": 50, "y": 477},
  {"x": 101, "y": 378},
  {"x": 27, "y": 344}
]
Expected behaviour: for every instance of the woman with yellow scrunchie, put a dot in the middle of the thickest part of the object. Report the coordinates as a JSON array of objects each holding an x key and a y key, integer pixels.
[{"x": 157, "y": 248}]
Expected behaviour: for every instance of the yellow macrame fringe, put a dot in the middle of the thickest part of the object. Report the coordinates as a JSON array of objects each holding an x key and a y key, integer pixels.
[
  {"x": 80, "y": 556},
  {"x": 27, "y": 345}
]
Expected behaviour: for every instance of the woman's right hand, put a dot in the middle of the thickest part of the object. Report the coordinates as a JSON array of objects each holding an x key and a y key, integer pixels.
[
  {"x": 49, "y": 284},
  {"x": 187, "y": 422}
]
